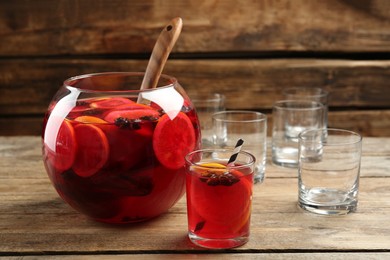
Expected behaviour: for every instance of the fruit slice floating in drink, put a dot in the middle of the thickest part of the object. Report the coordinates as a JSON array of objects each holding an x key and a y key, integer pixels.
[
  {"x": 92, "y": 151},
  {"x": 90, "y": 119},
  {"x": 63, "y": 155},
  {"x": 173, "y": 140},
  {"x": 113, "y": 102}
]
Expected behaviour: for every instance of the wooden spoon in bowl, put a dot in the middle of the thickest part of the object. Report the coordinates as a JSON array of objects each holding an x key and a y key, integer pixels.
[{"x": 160, "y": 53}]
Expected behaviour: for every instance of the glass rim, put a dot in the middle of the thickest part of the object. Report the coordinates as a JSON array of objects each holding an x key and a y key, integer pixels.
[
  {"x": 210, "y": 150},
  {"x": 214, "y": 97},
  {"x": 260, "y": 116},
  {"x": 359, "y": 138},
  {"x": 281, "y": 104},
  {"x": 66, "y": 82},
  {"x": 291, "y": 91}
]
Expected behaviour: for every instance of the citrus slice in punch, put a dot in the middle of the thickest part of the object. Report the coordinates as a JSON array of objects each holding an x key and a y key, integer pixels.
[
  {"x": 213, "y": 165},
  {"x": 173, "y": 140},
  {"x": 92, "y": 150},
  {"x": 112, "y": 102},
  {"x": 131, "y": 114},
  {"x": 90, "y": 119},
  {"x": 206, "y": 168},
  {"x": 65, "y": 147}
]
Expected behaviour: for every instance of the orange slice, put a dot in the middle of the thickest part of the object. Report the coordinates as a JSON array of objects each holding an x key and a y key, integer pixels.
[
  {"x": 90, "y": 119},
  {"x": 92, "y": 150},
  {"x": 131, "y": 114},
  {"x": 207, "y": 168},
  {"x": 112, "y": 102},
  {"x": 65, "y": 149},
  {"x": 173, "y": 139},
  {"x": 213, "y": 165}
]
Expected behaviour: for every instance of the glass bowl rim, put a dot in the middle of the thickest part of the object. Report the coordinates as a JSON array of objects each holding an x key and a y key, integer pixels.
[{"x": 66, "y": 82}]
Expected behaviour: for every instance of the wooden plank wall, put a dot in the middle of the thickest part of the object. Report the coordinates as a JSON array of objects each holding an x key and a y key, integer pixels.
[{"x": 248, "y": 50}]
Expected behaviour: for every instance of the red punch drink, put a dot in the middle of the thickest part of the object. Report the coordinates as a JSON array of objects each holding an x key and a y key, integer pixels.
[
  {"x": 118, "y": 156},
  {"x": 219, "y": 198}
]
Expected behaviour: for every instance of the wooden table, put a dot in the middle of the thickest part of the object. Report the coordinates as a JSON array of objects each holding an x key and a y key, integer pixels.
[{"x": 34, "y": 221}]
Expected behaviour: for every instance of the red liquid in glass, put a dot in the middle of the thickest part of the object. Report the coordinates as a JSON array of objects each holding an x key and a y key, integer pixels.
[
  {"x": 115, "y": 161},
  {"x": 219, "y": 209}
]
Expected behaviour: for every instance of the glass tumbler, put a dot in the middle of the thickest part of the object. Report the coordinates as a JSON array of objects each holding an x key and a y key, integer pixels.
[
  {"x": 329, "y": 169},
  {"x": 219, "y": 197},
  {"x": 309, "y": 93},
  {"x": 291, "y": 117},
  {"x": 251, "y": 126},
  {"x": 206, "y": 105}
]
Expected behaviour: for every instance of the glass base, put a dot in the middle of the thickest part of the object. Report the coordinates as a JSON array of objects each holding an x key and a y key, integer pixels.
[
  {"x": 216, "y": 243},
  {"x": 285, "y": 163},
  {"x": 327, "y": 201},
  {"x": 285, "y": 156},
  {"x": 259, "y": 177},
  {"x": 328, "y": 210}
]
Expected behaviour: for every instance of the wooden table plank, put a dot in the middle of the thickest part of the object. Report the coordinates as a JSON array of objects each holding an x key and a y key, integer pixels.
[
  {"x": 38, "y": 221},
  {"x": 34, "y": 220},
  {"x": 223, "y": 256}
]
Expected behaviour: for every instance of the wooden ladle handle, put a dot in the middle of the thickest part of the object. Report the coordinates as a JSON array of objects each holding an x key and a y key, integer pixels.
[{"x": 160, "y": 53}]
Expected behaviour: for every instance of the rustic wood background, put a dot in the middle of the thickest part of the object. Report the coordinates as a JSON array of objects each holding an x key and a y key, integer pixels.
[{"x": 248, "y": 50}]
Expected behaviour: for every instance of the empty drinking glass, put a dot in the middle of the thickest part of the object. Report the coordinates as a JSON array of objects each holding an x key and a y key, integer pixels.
[
  {"x": 309, "y": 93},
  {"x": 251, "y": 126},
  {"x": 291, "y": 117},
  {"x": 329, "y": 169},
  {"x": 206, "y": 105}
]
